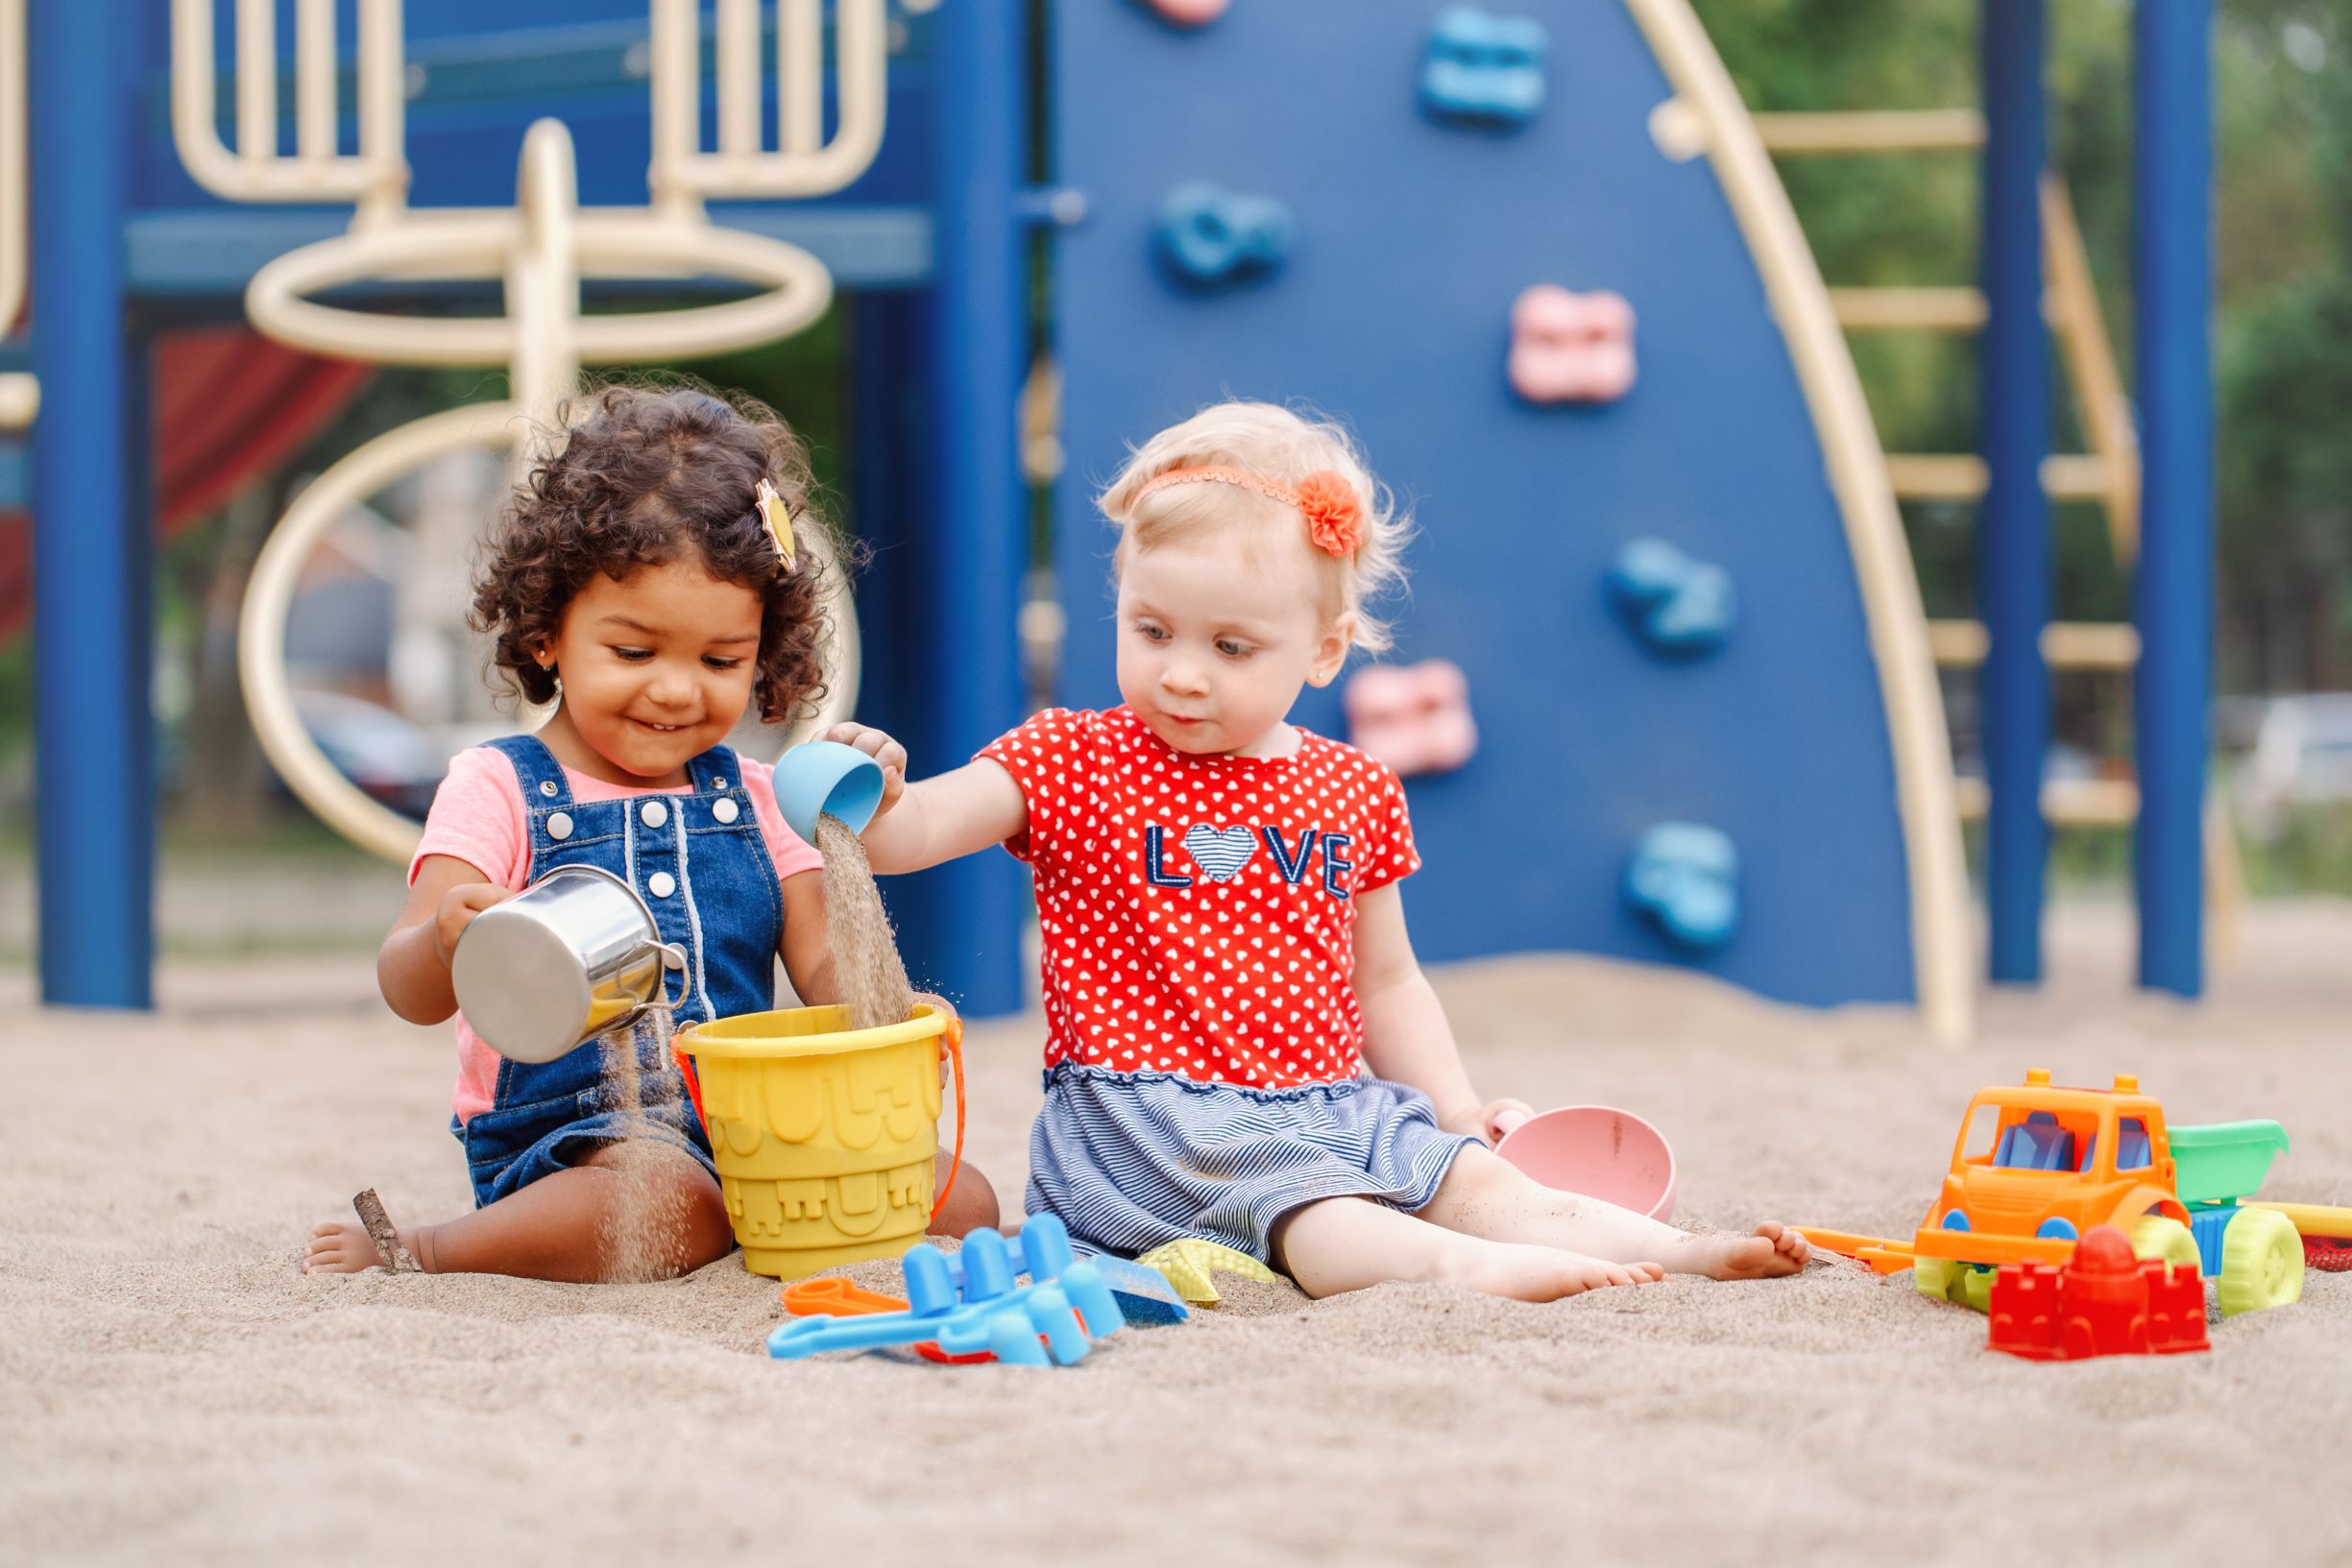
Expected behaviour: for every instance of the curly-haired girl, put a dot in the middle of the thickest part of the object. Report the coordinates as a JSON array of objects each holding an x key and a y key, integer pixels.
[{"x": 653, "y": 579}]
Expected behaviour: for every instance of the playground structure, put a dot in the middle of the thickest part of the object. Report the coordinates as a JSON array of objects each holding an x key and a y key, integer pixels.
[{"x": 1200, "y": 248}]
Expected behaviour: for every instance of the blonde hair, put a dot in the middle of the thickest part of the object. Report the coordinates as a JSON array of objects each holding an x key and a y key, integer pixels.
[{"x": 1284, "y": 447}]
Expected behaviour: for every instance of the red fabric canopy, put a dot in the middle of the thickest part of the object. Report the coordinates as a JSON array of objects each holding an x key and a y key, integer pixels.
[{"x": 229, "y": 406}]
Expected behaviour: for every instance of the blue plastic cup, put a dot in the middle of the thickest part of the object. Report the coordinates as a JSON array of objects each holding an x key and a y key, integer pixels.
[{"x": 826, "y": 778}]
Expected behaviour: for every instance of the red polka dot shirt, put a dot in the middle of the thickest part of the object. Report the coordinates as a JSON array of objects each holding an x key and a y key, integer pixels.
[{"x": 1199, "y": 911}]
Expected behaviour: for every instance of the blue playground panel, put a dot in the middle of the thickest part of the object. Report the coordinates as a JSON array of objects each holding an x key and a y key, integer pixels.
[{"x": 1412, "y": 235}]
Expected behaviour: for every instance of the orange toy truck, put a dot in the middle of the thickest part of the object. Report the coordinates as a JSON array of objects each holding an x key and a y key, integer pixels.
[{"x": 2037, "y": 1165}]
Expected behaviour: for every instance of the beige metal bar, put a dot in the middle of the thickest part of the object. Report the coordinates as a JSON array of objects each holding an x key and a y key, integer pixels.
[
  {"x": 314, "y": 80},
  {"x": 257, "y": 80},
  {"x": 739, "y": 78},
  {"x": 383, "y": 112},
  {"x": 1871, "y": 131},
  {"x": 676, "y": 44},
  {"x": 2066, "y": 644},
  {"x": 14, "y": 236},
  {"x": 20, "y": 394},
  {"x": 800, "y": 39},
  {"x": 1960, "y": 477},
  {"x": 2065, "y": 803},
  {"x": 683, "y": 173},
  {"x": 2107, "y": 423},
  {"x": 1867, "y": 308},
  {"x": 1905, "y": 309},
  {"x": 2091, "y": 644},
  {"x": 375, "y": 178}
]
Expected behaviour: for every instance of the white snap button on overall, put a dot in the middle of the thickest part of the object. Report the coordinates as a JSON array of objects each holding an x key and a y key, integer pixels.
[
  {"x": 724, "y": 811},
  {"x": 559, "y": 826},
  {"x": 654, "y": 813},
  {"x": 661, "y": 884}
]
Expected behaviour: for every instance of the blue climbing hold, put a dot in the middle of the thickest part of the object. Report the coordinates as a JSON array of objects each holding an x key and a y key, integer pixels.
[
  {"x": 1679, "y": 607},
  {"x": 1484, "y": 67},
  {"x": 1209, "y": 237},
  {"x": 1684, "y": 879}
]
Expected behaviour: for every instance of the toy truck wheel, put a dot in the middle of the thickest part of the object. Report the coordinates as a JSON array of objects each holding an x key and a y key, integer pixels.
[
  {"x": 1958, "y": 1283},
  {"x": 2154, "y": 1236},
  {"x": 1937, "y": 1277},
  {"x": 2262, "y": 1262}
]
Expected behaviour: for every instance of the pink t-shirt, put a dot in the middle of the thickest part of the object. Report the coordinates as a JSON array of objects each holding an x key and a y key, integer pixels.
[{"x": 477, "y": 817}]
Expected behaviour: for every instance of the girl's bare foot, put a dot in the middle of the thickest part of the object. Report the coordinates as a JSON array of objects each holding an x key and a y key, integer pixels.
[
  {"x": 1772, "y": 1251},
  {"x": 1527, "y": 1272},
  {"x": 343, "y": 1246}
]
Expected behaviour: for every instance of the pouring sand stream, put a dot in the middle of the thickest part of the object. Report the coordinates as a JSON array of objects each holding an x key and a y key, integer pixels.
[{"x": 648, "y": 1223}]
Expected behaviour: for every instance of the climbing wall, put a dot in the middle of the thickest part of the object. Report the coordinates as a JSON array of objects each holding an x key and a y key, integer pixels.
[{"x": 1632, "y": 554}]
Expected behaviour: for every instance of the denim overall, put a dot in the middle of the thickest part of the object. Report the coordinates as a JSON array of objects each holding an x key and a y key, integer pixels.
[{"x": 699, "y": 863}]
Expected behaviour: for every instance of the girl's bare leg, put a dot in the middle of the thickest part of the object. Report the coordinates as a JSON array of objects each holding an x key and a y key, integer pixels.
[
  {"x": 563, "y": 1226},
  {"x": 1349, "y": 1244},
  {"x": 560, "y": 1226},
  {"x": 972, "y": 1206},
  {"x": 1485, "y": 1195}
]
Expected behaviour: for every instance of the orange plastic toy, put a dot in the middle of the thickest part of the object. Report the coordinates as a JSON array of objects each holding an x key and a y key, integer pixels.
[
  {"x": 837, "y": 1298},
  {"x": 2104, "y": 1302},
  {"x": 2037, "y": 1166},
  {"x": 2058, "y": 1162}
]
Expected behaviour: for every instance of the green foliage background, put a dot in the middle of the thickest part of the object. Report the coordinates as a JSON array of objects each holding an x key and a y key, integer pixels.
[{"x": 2282, "y": 343}]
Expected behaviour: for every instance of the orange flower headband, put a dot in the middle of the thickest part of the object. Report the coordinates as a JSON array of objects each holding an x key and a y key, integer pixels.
[{"x": 1335, "y": 516}]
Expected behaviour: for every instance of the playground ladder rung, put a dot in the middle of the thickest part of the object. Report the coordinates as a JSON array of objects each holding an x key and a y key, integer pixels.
[
  {"x": 1921, "y": 309},
  {"x": 2070, "y": 803},
  {"x": 2066, "y": 644},
  {"x": 1960, "y": 477},
  {"x": 1871, "y": 131}
]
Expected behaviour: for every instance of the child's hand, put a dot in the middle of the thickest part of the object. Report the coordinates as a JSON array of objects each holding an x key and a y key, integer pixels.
[
  {"x": 882, "y": 749},
  {"x": 456, "y": 912},
  {"x": 1492, "y": 1120}
]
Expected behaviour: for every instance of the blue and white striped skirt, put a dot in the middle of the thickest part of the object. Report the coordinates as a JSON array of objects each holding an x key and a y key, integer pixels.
[{"x": 1131, "y": 1161}]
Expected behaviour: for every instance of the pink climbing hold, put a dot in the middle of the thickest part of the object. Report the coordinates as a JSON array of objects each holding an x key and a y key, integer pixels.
[
  {"x": 1570, "y": 347},
  {"x": 1189, "y": 13},
  {"x": 1413, "y": 717}
]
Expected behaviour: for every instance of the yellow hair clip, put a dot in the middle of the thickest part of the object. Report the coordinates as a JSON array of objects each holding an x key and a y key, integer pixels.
[{"x": 777, "y": 517}]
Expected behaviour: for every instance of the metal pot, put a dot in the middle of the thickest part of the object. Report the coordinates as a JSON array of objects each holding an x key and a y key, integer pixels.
[{"x": 568, "y": 957}]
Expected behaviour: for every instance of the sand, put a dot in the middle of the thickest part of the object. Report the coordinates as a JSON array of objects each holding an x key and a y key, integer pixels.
[
  {"x": 173, "y": 1390},
  {"x": 866, "y": 965}
]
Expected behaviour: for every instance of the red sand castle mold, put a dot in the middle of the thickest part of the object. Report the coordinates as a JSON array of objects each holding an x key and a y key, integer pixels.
[{"x": 2103, "y": 1301}]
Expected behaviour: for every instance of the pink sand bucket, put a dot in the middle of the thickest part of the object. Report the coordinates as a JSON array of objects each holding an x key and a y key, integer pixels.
[{"x": 1597, "y": 1151}]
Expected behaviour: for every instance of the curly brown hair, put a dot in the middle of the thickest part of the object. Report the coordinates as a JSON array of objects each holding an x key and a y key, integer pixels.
[{"x": 649, "y": 474}]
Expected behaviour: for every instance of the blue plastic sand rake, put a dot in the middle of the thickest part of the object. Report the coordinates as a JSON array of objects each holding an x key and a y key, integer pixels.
[{"x": 967, "y": 1302}]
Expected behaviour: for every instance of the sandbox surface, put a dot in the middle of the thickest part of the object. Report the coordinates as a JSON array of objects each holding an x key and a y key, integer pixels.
[{"x": 173, "y": 1390}]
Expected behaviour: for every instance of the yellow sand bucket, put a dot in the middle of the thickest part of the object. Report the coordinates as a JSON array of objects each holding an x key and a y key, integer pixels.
[{"x": 825, "y": 1136}]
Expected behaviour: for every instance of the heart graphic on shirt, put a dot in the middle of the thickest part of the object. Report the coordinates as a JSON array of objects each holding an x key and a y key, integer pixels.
[{"x": 1220, "y": 853}]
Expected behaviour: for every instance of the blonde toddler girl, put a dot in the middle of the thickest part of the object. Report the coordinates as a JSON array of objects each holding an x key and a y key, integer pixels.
[{"x": 1226, "y": 953}]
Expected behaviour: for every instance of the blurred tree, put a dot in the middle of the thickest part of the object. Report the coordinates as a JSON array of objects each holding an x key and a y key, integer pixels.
[
  {"x": 2284, "y": 338},
  {"x": 2286, "y": 357}
]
